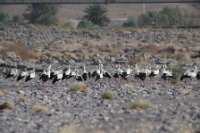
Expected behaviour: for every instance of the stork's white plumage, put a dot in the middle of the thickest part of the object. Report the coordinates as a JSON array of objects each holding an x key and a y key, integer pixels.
[
  {"x": 191, "y": 73},
  {"x": 140, "y": 73},
  {"x": 67, "y": 73},
  {"x": 13, "y": 72},
  {"x": 59, "y": 75},
  {"x": 126, "y": 73},
  {"x": 45, "y": 76},
  {"x": 31, "y": 75},
  {"x": 22, "y": 75},
  {"x": 154, "y": 72},
  {"x": 166, "y": 73},
  {"x": 85, "y": 73}
]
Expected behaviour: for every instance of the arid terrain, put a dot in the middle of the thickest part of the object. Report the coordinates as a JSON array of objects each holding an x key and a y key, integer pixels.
[{"x": 107, "y": 105}]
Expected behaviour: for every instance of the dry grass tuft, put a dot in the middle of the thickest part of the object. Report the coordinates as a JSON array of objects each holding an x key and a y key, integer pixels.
[
  {"x": 79, "y": 86},
  {"x": 86, "y": 43},
  {"x": 186, "y": 129},
  {"x": 67, "y": 129},
  {"x": 107, "y": 95},
  {"x": 182, "y": 36},
  {"x": 3, "y": 93},
  {"x": 39, "y": 108},
  {"x": 144, "y": 127},
  {"x": 7, "y": 105},
  {"x": 140, "y": 105},
  {"x": 155, "y": 87},
  {"x": 22, "y": 99},
  {"x": 186, "y": 92}
]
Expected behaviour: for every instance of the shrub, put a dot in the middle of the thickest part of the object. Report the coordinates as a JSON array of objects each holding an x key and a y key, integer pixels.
[
  {"x": 42, "y": 14},
  {"x": 129, "y": 23},
  {"x": 167, "y": 17},
  {"x": 97, "y": 15},
  {"x": 108, "y": 95},
  {"x": 79, "y": 86},
  {"x": 6, "y": 105},
  {"x": 3, "y": 17},
  {"x": 16, "y": 19},
  {"x": 140, "y": 105},
  {"x": 39, "y": 108},
  {"x": 85, "y": 24}
]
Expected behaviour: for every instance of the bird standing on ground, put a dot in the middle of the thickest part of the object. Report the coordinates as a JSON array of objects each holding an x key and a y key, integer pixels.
[
  {"x": 67, "y": 73},
  {"x": 126, "y": 73},
  {"x": 192, "y": 73},
  {"x": 85, "y": 74},
  {"x": 22, "y": 75},
  {"x": 166, "y": 74},
  {"x": 45, "y": 76},
  {"x": 31, "y": 75},
  {"x": 154, "y": 72},
  {"x": 13, "y": 72},
  {"x": 140, "y": 73},
  {"x": 58, "y": 75}
]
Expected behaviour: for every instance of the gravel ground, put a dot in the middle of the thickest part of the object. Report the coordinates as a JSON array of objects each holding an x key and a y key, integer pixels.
[
  {"x": 175, "y": 108},
  {"x": 37, "y": 108}
]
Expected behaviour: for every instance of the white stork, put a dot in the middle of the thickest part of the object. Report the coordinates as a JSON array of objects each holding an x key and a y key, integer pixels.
[
  {"x": 22, "y": 75},
  {"x": 192, "y": 73},
  {"x": 166, "y": 74},
  {"x": 31, "y": 75},
  {"x": 45, "y": 76},
  {"x": 13, "y": 72}
]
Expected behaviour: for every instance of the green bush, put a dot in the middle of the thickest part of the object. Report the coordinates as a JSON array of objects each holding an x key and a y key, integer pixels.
[
  {"x": 97, "y": 15},
  {"x": 129, "y": 23},
  {"x": 85, "y": 24},
  {"x": 42, "y": 14},
  {"x": 16, "y": 19},
  {"x": 167, "y": 17},
  {"x": 3, "y": 17}
]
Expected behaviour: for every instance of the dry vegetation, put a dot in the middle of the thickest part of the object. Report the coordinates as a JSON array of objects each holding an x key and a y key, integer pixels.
[
  {"x": 3, "y": 93},
  {"x": 79, "y": 86},
  {"x": 155, "y": 86},
  {"x": 140, "y": 105},
  {"x": 67, "y": 129},
  {"x": 107, "y": 95},
  {"x": 22, "y": 99},
  {"x": 20, "y": 50},
  {"x": 7, "y": 105},
  {"x": 39, "y": 108}
]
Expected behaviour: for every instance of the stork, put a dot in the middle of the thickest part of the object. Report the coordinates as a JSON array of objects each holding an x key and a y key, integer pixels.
[
  {"x": 192, "y": 73},
  {"x": 58, "y": 75},
  {"x": 45, "y": 76},
  {"x": 140, "y": 74},
  {"x": 166, "y": 74},
  {"x": 31, "y": 75},
  {"x": 99, "y": 72},
  {"x": 85, "y": 73},
  {"x": 154, "y": 72},
  {"x": 118, "y": 72},
  {"x": 13, "y": 72},
  {"x": 67, "y": 73},
  {"x": 78, "y": 77},
  {"x": 23, "y": 74},
  {"x": 126, "y": 73}
]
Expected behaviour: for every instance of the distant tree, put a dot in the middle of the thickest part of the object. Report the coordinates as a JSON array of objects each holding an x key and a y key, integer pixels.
[
  {"x": 167, "y": 17},
  {"x": 42, "y": 14},
  {"x": 3, "y": 17},
  {"x": 97, "y": 15},
  {"x": 16, "y": 19}
]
